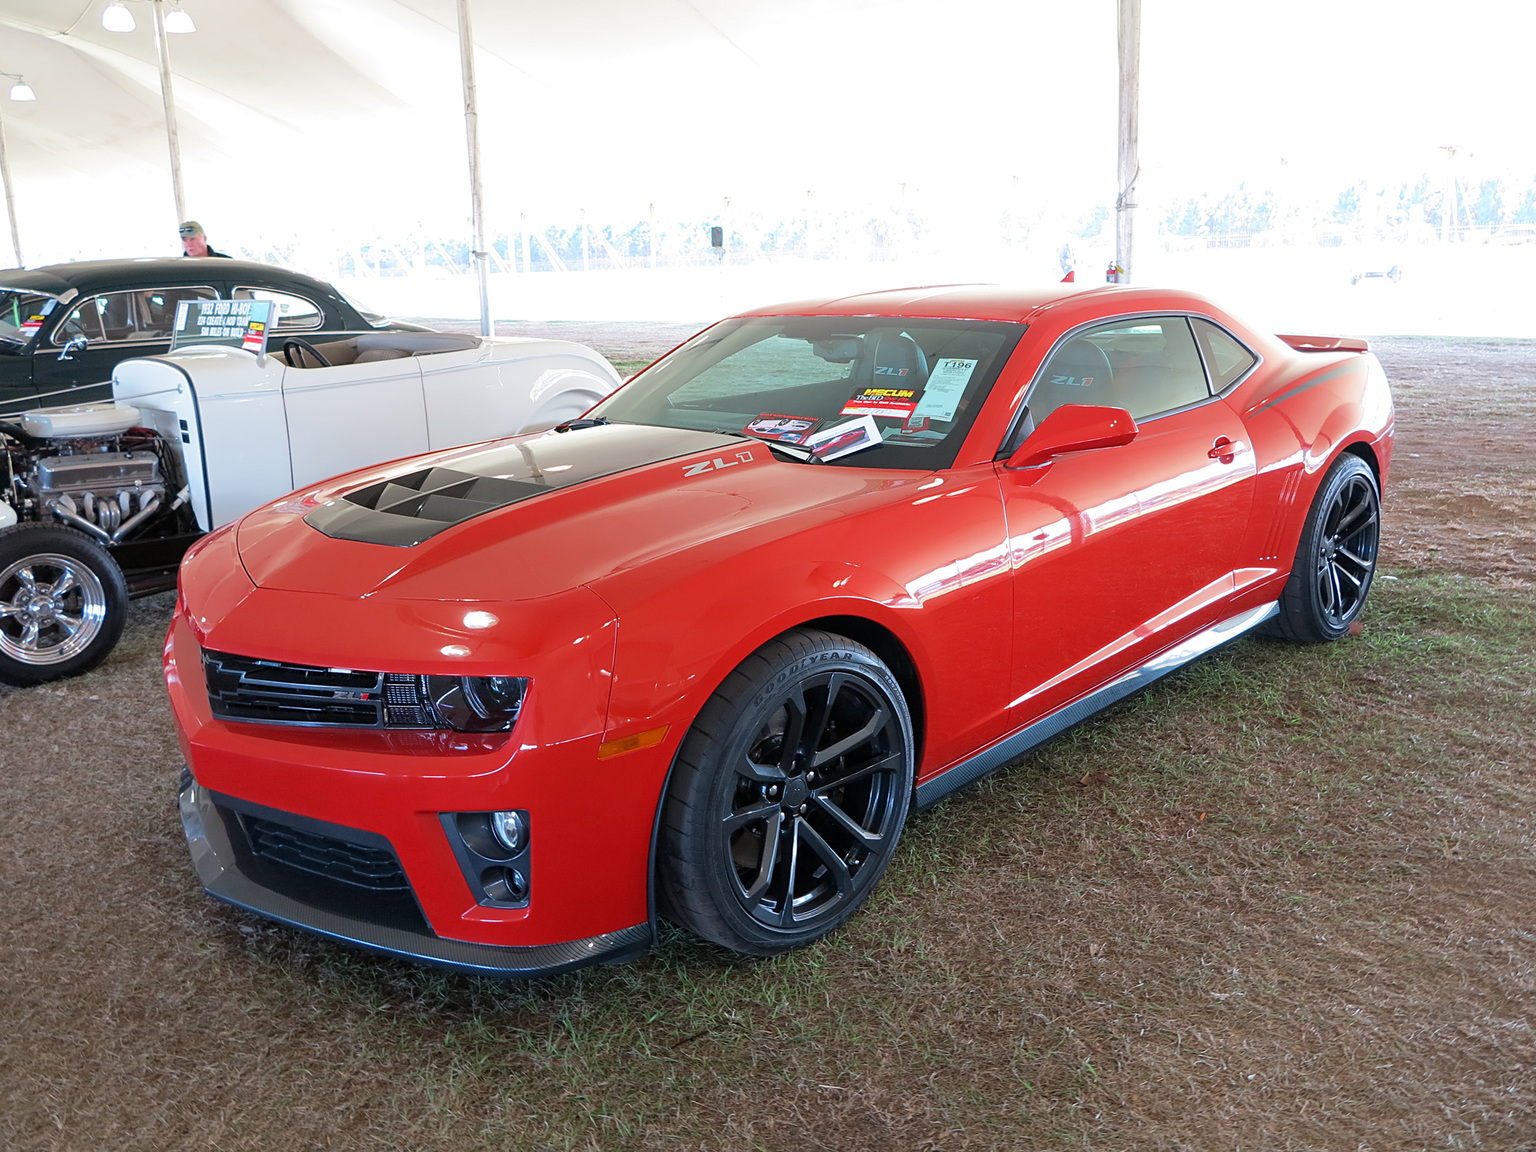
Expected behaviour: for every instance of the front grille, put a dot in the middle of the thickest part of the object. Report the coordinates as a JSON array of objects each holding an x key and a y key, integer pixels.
[
  {"x": 357, "y": 864},
  {"x": 242, "y": 688},
  {"x": 403, "y": 707}
]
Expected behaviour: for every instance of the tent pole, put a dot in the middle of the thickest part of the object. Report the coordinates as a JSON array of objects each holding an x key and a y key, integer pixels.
[
  {"x": 164, "y": 50},
  {"x": 472, "y": 130},
  {"x": 1129, "y": 167},
  {"x": 10, "y": 199}
]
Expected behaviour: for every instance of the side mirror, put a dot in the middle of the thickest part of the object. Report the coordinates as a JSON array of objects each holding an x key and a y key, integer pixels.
[
  {"x": 1074, "y": 428},
  {"x": 72, "y": 345}
]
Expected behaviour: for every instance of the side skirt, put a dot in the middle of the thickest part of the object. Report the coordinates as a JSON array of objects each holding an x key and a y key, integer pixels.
[{"x": 1010, "y": 748}]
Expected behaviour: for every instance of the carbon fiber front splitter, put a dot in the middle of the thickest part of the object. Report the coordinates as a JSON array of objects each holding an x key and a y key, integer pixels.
[{"x": 218, "y": 868}]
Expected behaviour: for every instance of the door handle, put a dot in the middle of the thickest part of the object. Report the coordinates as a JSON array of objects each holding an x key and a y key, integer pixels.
[{"x": 1225, "y": 450}]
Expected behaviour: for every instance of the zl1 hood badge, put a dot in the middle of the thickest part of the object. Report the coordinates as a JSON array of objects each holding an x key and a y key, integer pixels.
[{"x": 717, "y": 463}]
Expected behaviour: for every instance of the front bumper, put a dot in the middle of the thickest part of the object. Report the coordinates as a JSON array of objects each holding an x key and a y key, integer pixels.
[
  {"x": 394, "y": 926},
  {"x": 592, "y": 819}
]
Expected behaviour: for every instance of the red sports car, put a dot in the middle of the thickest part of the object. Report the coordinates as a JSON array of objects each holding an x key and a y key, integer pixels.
[{"x": 500, "y": 708}]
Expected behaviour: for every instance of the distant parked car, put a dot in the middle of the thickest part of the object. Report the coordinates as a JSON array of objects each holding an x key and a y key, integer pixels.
[
  {"x": 1514, "y": 234},
  {"x": 63, "y": 327},
  {"x": 1393, "y": 273}
]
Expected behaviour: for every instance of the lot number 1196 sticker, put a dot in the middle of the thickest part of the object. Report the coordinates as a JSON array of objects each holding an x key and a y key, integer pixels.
[{"x": 946, "y": 384}]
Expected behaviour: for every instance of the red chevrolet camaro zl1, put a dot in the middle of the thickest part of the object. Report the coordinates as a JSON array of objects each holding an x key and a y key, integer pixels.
[{"x": 699, "y": 654}]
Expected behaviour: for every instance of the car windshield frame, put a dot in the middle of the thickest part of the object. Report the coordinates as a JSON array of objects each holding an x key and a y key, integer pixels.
[
  {"x": 13, "y": 335},
  {"x": 371, "y": 316},
  {"x": 959, "y": 360}
]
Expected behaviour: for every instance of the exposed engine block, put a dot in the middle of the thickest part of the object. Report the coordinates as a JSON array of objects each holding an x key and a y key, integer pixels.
[
  {"x": 89, "y": 466},
  {"x": 106, "y": 494}
]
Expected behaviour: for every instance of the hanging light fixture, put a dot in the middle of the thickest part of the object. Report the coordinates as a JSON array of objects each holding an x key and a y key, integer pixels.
[
  {"x": 116, "y": 18},
  {"x": 176, "y": 20},
  {"x": 21, "y": 90}
]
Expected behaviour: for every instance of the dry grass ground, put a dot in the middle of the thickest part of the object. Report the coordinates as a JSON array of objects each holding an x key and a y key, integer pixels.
[{"x": 1283, "y": 900}]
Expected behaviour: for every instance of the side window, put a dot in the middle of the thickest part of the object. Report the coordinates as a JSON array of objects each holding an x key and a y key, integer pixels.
[
  {"x": 1146, "y": 366},
  {"x": 118, "y": 317},
  {"x": 293, "y": 312},
  {"x": 158, "y": 308},
  {"x": 1226, "y": 358},
  {"x": 85, "y": 321}
]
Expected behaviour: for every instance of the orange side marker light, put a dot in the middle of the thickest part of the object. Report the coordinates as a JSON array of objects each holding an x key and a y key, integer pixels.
[{"x": 623, "y": 744}]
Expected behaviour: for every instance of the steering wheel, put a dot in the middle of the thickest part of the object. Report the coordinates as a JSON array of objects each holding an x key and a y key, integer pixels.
[{"x": 303, "y": 346}]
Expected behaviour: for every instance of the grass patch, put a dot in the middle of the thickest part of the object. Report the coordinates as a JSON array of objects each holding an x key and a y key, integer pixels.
[{"x": 1280, "y": 900}]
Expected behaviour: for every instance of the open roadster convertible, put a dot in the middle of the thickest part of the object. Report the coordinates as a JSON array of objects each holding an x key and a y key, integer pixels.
[
  {"x": 501, "y": 707},
  {"x": 100, "y": 501}
]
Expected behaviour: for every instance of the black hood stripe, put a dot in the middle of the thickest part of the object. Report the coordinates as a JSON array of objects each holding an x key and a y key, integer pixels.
[{"x": 416, "y": 505}]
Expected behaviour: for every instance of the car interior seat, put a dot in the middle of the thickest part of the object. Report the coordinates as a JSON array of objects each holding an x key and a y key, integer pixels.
[
  {"x": 891, "y": 359},
  {"x": 378, "y": 346},
  {"x": 1079, "y": 373},
  {"x": 1150, "y": 383}
]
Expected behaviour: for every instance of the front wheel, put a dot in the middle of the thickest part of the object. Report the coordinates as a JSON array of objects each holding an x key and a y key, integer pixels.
[
  {"x": 1336, "y": 557},
  {"x": 788, "y": 796},
  {"x": 62, "y": 603}
]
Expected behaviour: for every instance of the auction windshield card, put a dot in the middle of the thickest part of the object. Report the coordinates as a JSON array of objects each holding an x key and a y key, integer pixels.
[
  {"x": 897, "y": 402},
  {"x": 841, "y": 439},
  {"x": 946, "y": 384},
  {"x": 776, "y": 426},
  {"x": 229, "y": 323}
]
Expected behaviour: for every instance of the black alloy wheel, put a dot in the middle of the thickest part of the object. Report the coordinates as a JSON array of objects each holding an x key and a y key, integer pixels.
[
  {"x": 788, "y": 796},
  {"x": 1336, "y": 558}
]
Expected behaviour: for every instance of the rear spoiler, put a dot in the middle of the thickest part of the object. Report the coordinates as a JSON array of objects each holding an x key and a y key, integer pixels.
[{"x": 1326, "y": 343}]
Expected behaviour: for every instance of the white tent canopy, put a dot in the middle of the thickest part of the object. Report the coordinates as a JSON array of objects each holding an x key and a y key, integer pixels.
[
  {"x": 310, "y": 128},
  {"x": 345, "y": 117}
]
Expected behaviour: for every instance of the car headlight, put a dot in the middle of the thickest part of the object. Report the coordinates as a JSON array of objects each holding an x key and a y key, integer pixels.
[{"x": 464, "y": 703}]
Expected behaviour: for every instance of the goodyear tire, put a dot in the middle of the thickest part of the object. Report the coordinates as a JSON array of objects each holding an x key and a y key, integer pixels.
[
  {"x": 788, "y": 796},
  {"x": 1336, "y": 557}
]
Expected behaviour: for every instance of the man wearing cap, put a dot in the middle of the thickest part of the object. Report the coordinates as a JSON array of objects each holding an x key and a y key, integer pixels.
[{"x": 194, "y": 243}]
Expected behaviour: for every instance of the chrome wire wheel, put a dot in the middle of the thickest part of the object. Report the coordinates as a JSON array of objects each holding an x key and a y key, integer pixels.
[
  {"x": 1346, "y": 554},
  {"x": 815, "y": 800},
  {"x": 52, "y": 608}
]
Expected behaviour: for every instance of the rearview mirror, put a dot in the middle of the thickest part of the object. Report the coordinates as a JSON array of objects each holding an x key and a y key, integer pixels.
[{"x": 1074, "y": 428}]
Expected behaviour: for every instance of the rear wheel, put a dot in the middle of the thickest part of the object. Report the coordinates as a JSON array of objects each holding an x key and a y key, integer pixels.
[
  {"x": 788, "y": 796},
  {"x": 62, "y": 603},
  {"x": 1336, "y": 558}
]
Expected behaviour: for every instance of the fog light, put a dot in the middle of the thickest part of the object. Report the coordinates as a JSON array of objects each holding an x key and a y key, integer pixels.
[
  {"x": 505, "y": 885},
  {"x": 510, "y": 830}
]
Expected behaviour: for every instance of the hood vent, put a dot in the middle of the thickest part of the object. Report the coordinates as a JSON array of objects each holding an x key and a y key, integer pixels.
[
  {"x": 407, "y": 509},
  {"x": 411, "y": 508}
]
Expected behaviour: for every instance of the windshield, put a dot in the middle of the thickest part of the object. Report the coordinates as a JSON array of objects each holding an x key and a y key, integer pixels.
[
  {"x": 22, "y": 314},
  {"x": 795, "y": 379}
]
